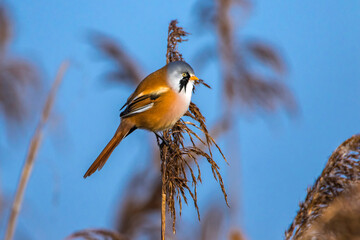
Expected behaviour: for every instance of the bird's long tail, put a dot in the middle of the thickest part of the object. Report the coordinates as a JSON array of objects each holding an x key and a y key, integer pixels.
[{"x": 124, "y": 129}]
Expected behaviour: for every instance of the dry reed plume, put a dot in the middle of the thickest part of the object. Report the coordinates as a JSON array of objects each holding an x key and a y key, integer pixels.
[
  {"x": 32, "y": 152},
  {"x": 175, "y": 157},
  {"x": 18, "y": 78},
  {"x": 340, "y": 173},
  {"x": 339, "y": 221},
  {"x": 243, "y": 86},
  {"x": 126, "y": 71}
]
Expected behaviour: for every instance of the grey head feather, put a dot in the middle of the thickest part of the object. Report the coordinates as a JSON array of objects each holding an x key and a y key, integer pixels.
[
  {"x": 176, "y": 79},
  {"x": 180, "y": 67}
]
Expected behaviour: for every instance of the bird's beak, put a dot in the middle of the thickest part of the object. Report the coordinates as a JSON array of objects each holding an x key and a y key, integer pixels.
[{"x": 194, "y": 78}]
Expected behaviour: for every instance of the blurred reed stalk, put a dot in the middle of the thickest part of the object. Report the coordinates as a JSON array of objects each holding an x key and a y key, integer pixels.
[{"x": 33, "y": 150}]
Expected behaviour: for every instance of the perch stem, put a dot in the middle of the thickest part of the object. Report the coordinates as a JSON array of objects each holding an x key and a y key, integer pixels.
[{"x": 163, "y": 197}]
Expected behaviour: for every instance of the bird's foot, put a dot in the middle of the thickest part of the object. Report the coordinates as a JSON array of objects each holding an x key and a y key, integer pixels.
[{"x": 162, "y": 139}]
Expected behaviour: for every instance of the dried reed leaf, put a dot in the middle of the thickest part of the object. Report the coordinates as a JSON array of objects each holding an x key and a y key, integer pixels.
[
  {"x": 341, "y": 171},
  {"x": 126, "y": 69},
  {"x": 96, "y": 234}
]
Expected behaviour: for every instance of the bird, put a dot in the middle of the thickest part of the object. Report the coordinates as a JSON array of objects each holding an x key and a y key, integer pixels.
[{"x": 157, "y": 103}]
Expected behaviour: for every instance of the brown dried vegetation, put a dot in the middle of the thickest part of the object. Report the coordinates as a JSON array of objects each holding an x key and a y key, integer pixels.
[
  {"x": 126, "y": 71},
  {"x": 341, "y": 220},
  {"x": 176, "y": 158},
  {"x": 18, "y": 78},
  {"x": 341, "y": 172}
]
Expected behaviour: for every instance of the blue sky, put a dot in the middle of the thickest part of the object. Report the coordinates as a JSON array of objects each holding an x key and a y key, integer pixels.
[{"x": 279, "y": 156}]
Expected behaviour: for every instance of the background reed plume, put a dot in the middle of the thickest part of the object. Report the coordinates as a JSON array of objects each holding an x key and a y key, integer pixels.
[
  {"x": 19, "y": 79},
  {"x": 262, "y": 89}
]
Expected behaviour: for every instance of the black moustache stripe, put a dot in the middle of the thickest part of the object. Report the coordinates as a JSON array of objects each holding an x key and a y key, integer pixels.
[{"x": 183, "y": 82}]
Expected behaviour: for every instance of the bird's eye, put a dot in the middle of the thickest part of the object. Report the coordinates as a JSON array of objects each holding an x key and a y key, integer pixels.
[{"x": 185, "y": 75}]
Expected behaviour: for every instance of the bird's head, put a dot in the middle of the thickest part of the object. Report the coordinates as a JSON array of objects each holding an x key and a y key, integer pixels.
[{"x": 180, "y": 77}]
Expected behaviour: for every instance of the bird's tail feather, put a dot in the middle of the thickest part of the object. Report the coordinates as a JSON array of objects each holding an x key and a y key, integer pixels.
[{"x": 124, "y": 129}]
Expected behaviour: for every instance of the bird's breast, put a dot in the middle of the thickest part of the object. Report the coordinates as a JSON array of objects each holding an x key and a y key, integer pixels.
[{"x": 166, "y": 111}]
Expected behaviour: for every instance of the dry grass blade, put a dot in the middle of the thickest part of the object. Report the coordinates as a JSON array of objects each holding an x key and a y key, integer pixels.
[
  {"x": 340, "y": 221},
  {"x": 178, "y": 159},
  {"x": 200, "y": 81},
  {"x": 126, "y": 69},
  {"x": 32, "y": 152},
  {"x": 96, "y": 234},
  {"x": 341, "y": 171}
]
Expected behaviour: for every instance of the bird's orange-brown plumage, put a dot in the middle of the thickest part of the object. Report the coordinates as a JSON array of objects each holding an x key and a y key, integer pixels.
[
  {"x": 151, "y": 83},
  {"x": 167, "y": 106}
]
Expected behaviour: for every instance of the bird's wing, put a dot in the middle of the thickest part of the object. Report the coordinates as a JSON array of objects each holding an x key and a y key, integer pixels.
[
  {"x": 146, "y": 93},
  {"x": 142, "y": 102}
]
